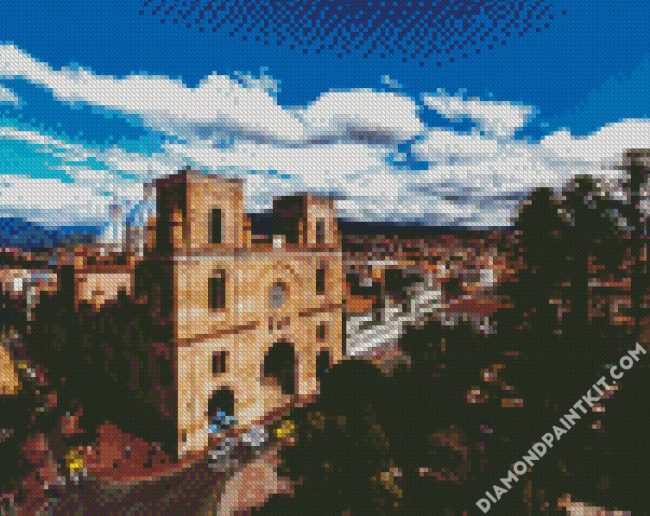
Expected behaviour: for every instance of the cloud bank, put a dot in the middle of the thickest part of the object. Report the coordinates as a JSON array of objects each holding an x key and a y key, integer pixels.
[{"x": 370, "y": 147}]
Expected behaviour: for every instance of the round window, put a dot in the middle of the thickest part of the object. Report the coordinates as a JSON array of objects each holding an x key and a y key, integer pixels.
[{"x": 277, "y": 295}]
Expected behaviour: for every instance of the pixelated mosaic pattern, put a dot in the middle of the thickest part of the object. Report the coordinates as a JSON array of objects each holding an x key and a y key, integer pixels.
[{"x": 422, "y": 31}]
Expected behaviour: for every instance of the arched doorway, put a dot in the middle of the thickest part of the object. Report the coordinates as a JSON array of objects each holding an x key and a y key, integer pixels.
[
  {"x": 280, "y": 363},
  {"x": 222, "y": 400},
  {"x": 323, "y": 363}
]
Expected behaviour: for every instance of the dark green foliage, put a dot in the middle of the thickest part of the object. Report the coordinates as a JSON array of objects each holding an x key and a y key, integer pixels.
[
  {"x": 341, "y": 456},
  {"x": 16, "y": 416},
  {"x": 102, "y": 359}
]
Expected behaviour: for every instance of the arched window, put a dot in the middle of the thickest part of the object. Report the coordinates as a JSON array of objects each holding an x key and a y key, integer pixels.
[
  {"x": 320, "y": 231},
  {"x": 214, "y": 226},
  {"x": 217, "y": 290},
  {"x": 320, "y": 281}
]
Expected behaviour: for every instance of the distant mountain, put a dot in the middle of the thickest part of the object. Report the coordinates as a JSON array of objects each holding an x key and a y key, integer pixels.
[
  {"x": 262, "y": 225},
  {"x": 18, "y": 232}
]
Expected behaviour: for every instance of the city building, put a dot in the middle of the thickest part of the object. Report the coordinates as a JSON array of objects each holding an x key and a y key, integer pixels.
[
  {"x": 88, "y": 275},
  {"x": 9, "y": 382},
  {"x": 245, "y": 325}
]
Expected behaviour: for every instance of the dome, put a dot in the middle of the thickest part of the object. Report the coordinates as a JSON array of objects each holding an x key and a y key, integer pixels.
[
  {"x": 144, "y": 209},
  {"x": 141, "y": 213}
]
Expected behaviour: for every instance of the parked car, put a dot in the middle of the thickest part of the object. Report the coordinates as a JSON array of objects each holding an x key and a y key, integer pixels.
[
  {"x": 221, "y": 422},
  {"x": 286, "y": 430},
  {"x": 224, "y": 456},
  {"x": 75, "y": 464},
  {"x": 254, "y": 438}
]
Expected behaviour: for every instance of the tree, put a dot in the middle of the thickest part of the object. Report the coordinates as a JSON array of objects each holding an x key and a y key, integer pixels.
[
  {"x": 591, "y": 232},
  {"x": 541, "y": 229},
  {"x": 341, "y": 458},
  {"x": 16, "y": 413},
  {"x": 562, "y": 241}
]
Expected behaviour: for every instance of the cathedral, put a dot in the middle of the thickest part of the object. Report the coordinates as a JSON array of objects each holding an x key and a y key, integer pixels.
[{"x": 246, "y": 323}]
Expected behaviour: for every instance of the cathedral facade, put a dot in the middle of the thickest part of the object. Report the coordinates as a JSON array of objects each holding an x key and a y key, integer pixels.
[{"x": 246, "y": 324}]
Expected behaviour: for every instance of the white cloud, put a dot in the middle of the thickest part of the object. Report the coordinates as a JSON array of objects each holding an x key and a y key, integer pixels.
[
  {"x": 363, "y": 115},
  {"x": 240, "y": 106},
  {"x": 601, "y": 149},
  {"x": 8, "y": 97},
  {"x": 317, "y": 168},
  {"x": 83, "y": 200},
  {"x": 486, "y": 175},
  {"x": 217, "y": 103},
  {"x": 471, "y": 179},
  {"x": 442, "y": 145},
  {"x": 494, "y": 117},
  {"x": 343, "y": 143},
  {"x": 53, "y": 146},
  {"x": 50, "y": 201}
]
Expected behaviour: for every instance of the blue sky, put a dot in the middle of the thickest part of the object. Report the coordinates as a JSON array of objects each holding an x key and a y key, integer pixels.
[{"x": 97, "y": 97}]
